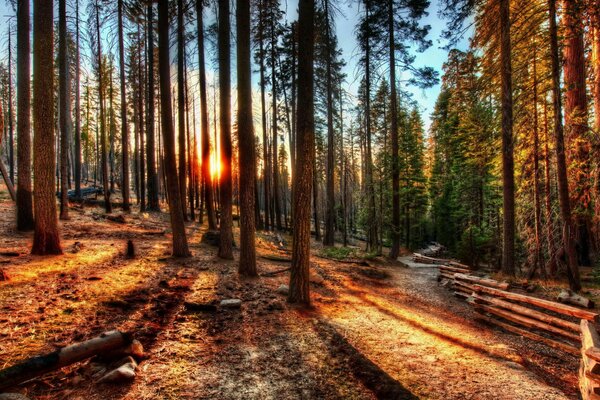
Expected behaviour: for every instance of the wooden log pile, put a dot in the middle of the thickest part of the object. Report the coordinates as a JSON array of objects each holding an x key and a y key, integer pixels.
[
  {"x": 548, "y": 322},
  {"x": 423, "y": 259},
  {"x": 589, "y": 370}
]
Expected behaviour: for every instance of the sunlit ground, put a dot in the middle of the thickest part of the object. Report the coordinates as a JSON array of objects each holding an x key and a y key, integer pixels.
[{"x": 388, "y": 332}]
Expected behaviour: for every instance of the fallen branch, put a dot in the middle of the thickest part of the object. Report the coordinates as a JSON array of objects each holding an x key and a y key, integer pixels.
[
  {"x": 39, "y": 365},
  {"x": 274, "y": 257},
  {"x": 277, "y": 272}
]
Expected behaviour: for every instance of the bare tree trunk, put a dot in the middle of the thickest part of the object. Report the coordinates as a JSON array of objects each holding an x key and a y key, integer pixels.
[
  {"x": 551, "y": 267},
  {"x": 247, "y": 156},
  {"x": 329, "y": 237},
  {"x": 24, "y": 195},
  {"x": 103, "y": 149},
  {"x": 65, "y": 107},
  {"x": 370, "y": 188},
  {"x": 46, "y": 239},
  {"x": 124, "y": 125},
  {"x": 576, "y": 120},
  {"x": 225, "y": 181},
  {"x": 395, "y": 228},
  {"x": 153, "y": 203},
  {"x": 180, "y": 245},
  {"x": 299, "y": 276},
  {"x": 561, "y": 163},
  {"x": 536, "y": 173},
  {"x": 181, "y": 107},
  {"x": 204, "y": 134},
  {"x": 77, "y": 106},
  {"x": 276, "y": 194},
  {"x": 266, "y": 167},
  {"x": 508, "y": 178}
]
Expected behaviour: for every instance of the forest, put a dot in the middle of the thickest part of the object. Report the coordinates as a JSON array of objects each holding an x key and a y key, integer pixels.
[{"x": 312, "y": 199}]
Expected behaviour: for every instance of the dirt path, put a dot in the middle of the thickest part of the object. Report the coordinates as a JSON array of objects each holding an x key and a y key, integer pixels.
[{"x": 382, "y": 331}]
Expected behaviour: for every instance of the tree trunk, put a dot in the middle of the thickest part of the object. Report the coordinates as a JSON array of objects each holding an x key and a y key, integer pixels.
[
  {"x": 508, "y": 177},
  {"x": 561, "y": 163},
  {"x": 11, "y": 133},
  {"x": 578, "y": 148},
  {"x": 103, "y": 149},
  {"x": 329, "y": 237},
  {"x": 24, "y": 195},
  {"x": 204, "y": 134},
  {"x": 275, "y": 133},
  {"x": 266, "y": 168},
  {"x": 225, "y": 181},
  {"x": 181, "y": 107},
  {"x": 247, "y": 156},
  {"x": 551, "y": 266},
  {"x": 46, "y": 239},
  {"x": 153, "y": 204},
  {"x": 65, "y": 107},
  {"x": 305, "y": 141},
  {"x": 395, "y": 228},
  {"x": 77, "y": 106},
  {"x": 124, "y": 125},
  {"x": 180, "y": 245},
  {"x": 536, "y": 172},
  {"x": 370, "y": 189}
]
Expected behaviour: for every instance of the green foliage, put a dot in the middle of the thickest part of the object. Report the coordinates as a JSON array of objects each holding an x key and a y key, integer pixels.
[{"x": 338, "y": 253}]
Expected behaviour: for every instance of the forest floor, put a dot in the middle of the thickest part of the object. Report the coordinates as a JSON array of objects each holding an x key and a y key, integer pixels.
[{"x": 375, "y": 331}]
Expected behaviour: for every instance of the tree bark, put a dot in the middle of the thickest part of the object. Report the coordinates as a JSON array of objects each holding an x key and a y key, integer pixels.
[
  {"x": 247, "y": 156},
  {"x": 395, "y": 250},
  {"x": 275, "y": 133},
  {"x": 204, "y": 134},
  {"x": 508, "y": 177},
  {"x": 153, "y": 204},
  {"x": 266, "y": 178},
  {"x": 561, "y": 163},
  {"x": 305, "y": 142},
  {"x": 65, "y": 108},
  {"x": 46, "y": 239},
  {"x": 329, "y": 237},
  {"x": 576, "y": 115},
  {"x": 181, "y": 107},
  {"x": 24, "y": 194},
  {"x": 225, "y": 180},
  {"x": 77, "y": 106},
  {"x": 103, "y": 145},
  {"x": 124, "y": 124},
  {"x": 180, "y": 245}
]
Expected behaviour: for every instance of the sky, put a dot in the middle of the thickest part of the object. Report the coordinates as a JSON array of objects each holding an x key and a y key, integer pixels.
[{"x": 346, "y": 22}]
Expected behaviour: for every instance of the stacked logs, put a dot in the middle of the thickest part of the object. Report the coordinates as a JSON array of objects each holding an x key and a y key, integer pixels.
[
  {"x": 548, "y": 322},
  {"x": 589, "y": 370}
]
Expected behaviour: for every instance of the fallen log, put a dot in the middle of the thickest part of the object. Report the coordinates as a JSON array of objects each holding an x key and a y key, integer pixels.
[
  {"x": 462, "y": 295},
  {"x": 464, "y": 286},
  {"x": 589, "y": 340},
  {"x": 482, "y": 281},
  {"x": 454, "y": 269},
  {"x": 549, "y": 305},
  {"x": 528, "y": 312},
  {"x": 420, "y": 258},
  {"x": 39, "y": 365},
  {"x": 568, "y": 348},
  {"x": 447, "y": 275},
  {"x": 570, "y": 297},
  {"x": 458, "y": 265},
  {"x": 527, "y": 322},
  {"x": 593, "y": 353}
]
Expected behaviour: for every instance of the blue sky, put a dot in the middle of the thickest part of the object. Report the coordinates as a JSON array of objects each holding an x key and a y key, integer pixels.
[{"x": 345, "y": 24}]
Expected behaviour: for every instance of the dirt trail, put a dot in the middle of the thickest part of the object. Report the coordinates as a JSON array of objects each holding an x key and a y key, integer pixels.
[{"x": 380, "y": 331}]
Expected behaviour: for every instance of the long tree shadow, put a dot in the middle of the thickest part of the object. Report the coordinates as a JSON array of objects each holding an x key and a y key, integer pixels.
[
  {"x": 414, "y": 322},
  {"x": 145, "y": 311},
  {"x": 371, "y": 375}
]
